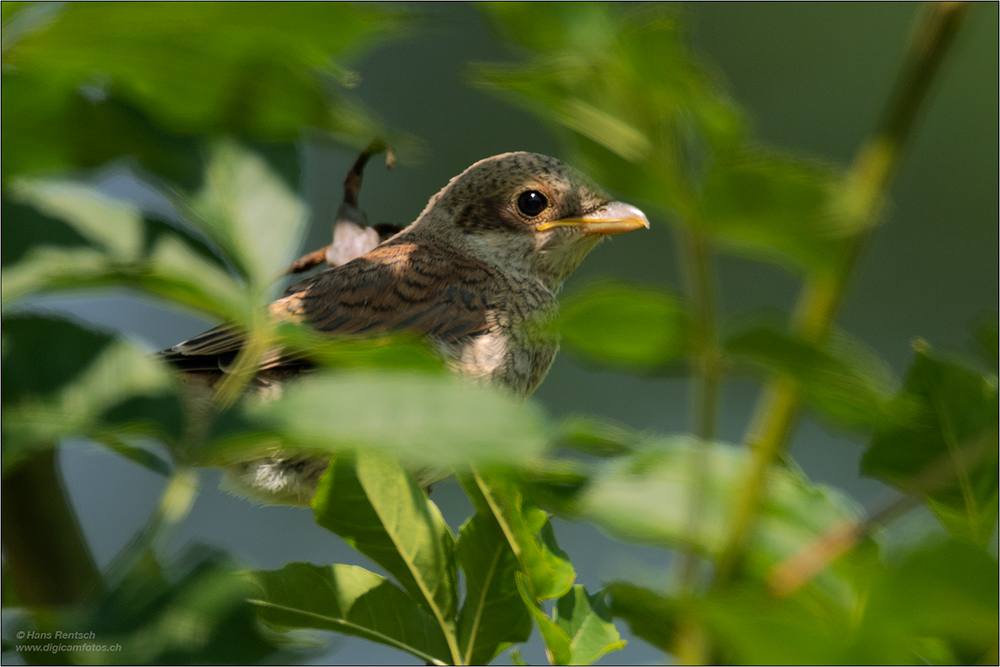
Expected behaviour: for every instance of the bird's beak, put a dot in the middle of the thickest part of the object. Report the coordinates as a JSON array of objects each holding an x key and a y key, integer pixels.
[{"x": 615, "y": 218}]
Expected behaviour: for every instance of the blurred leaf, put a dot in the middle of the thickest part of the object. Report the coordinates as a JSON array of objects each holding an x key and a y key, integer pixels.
[
  {"x": 62, "y": 125},
  {"x": 528, "y": 531},
  {"x": 174, "y": 271},
  {"x": 249, "y": 212},
  {"x": 938, "y": 605},
  {"x": 646, "y": 498},
  {"x": 51, "y": 268},
  {"x": 651, "y": 616},
  {"x": 596, "y": 437},
  {"x": 109, "y": 223},
  {"x": 493, "y": 615},
  {"x": 192, "y": 612},
  {"x": 42, "y": 354},
  {"x": 775, "y": 208},
  {"x": 956, "y": 418},
  {"x": 431, "y": 420},
  {"x": 143, "y": 457},
  {"x": 349, "y": 600},
  {"x": 580, "y": 631},
  {"x": 636, "y": 111},
  {"x": 619, "y": 324},
  {"x": 24, "y": 226},
  {"x": 60, "y": 379},
  {"x": 183, "y": 271},
  {"x": 947, "y": 592},
  {"x": 263, "y": 72},
  {"x": 372, "y": 502},
  {"x": 399, "y": 351},
  {"x": 843, "y": 380},
  {"x": 9, "y": 10},
  {"x": 745, "y": 625},
  {"x": 178, "y": 271}
]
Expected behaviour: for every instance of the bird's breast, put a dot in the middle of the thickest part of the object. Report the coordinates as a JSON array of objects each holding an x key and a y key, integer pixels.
[{"x": 515, "y": 352}]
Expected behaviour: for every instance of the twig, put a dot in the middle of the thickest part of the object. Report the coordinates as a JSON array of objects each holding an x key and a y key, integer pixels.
[
  {"x": 794, "y": 572},
  {"x": 707, "y": 376},
  {"x": 867, "y": 185}
]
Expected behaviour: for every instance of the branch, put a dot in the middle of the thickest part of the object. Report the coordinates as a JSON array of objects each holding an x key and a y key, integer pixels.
[
  {"x": 794, "y": 572},
  {"x": 867, "y": 183},
  {"x": 44, "y": 547}
]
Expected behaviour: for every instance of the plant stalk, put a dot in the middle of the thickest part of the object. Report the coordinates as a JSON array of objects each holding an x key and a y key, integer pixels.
[
  {"x": 44, "y": 547},
  {"x": 705, "y": 385},
  {"x": 867, "y": 185}
]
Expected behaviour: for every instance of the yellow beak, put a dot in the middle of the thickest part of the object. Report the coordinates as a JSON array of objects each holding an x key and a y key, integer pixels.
[{"x": 615, "y": 218}]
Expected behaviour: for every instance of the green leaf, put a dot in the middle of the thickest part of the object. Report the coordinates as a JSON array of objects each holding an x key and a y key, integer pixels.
[
  {"x": 596, "y": 437},
  {"x": 42, "y": 354},
  {"x": 349, "y": 600},
  {"x": 625, "y": 325},
  {"x": 634, "y": 107},
  {"x": 191, "y": 612},
  {"x": 371, "y": 501},
  {"x": 953, "y": 437},
  {"x": 24, "y": 227},
  {"x": 946, "y": 592},
  {"x": 108, "y": 223},
  {"x": 647, "y": 498},
  {"x": 557, "y": 643},
  {"x": 516, "y": 659},
  {"x": 430, "y": 420},
  {"x": 937, "y": 605},
  {"x": 174, "y": 271},
  {"x": 493, "y": 615},
  {"x": 528, "y": 531},
  {"x": 139, "y": 455},
  {"x": 580, "y": 631},
  {"x": 749, "y": 626},
  {"x": 587, "y": 622},
  {"x": 183, "y": 271},
  {"x": 744, "y": 624},
  {"x": 651, "y": 616},
  {"x": 843, "y": 380},
  {"x": 774, "y": 208},
  {"x": 264, "y": 73},
  {"x": 60, "y": 380},
  {"x": 249, "y": 212},
  {"x": 399, "y": 351}
]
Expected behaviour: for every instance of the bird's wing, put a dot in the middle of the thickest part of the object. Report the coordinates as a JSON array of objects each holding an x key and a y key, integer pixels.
[{"x": 418, "y": 287}]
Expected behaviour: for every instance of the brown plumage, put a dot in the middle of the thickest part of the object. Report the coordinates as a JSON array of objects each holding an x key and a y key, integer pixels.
[{"x": 481, "y": 263}]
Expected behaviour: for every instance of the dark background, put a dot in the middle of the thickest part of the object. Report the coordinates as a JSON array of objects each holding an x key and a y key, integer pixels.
[{"x": 813, "y": 77}]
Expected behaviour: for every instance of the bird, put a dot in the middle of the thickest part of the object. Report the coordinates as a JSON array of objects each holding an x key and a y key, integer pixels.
[{"x": 474, "y": 272}]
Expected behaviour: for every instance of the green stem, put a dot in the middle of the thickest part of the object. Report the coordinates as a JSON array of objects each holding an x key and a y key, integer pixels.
[
  {"x": 705, "y": 382},
  {"x": 867, "y": 184},
  {"x": 175, "y": 504},
  {"x": 44, "y": 547}
]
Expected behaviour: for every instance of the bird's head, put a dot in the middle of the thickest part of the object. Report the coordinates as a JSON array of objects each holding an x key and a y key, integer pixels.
[{"x": 525, "y": 212}]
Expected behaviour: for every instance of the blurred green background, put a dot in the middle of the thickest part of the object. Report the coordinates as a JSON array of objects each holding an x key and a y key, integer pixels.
[{"x": 812, "y": 76}]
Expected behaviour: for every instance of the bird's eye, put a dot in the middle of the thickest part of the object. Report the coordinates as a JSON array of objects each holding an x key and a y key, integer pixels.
[{"x": 531, "y": 203}]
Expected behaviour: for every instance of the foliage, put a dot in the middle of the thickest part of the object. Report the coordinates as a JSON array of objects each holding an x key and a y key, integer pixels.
[{"x": 186, "y": 90}]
